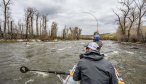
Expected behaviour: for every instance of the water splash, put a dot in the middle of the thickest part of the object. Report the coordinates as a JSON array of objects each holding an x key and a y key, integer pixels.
[
  {"x": 30, "y": 80},
  {"x": 42, "y": 74}
]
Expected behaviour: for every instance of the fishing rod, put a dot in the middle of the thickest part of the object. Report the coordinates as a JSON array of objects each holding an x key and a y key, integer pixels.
[{"x": 24, "y": 69}]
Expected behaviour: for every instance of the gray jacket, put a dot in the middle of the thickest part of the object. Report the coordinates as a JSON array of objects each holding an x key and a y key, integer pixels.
[{"x": 93, "y": 69}]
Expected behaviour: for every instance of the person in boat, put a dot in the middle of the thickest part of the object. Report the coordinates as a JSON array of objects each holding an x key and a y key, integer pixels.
[
  {"x": 93, "y": 68},
  {"x": 97, "y": 39}
]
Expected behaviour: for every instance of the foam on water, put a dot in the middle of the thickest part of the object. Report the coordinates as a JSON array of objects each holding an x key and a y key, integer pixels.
[
  {"x": 115, "y": 52},
  {"x": 30, "y": 80},
  {"x": 42, "y": 74},
  {"x": 17, "y": 79},
  {"x": 62, "y": 49},
  {"x": 70, "y": 47},
  {"x": 130, "y": 52},
  {"x": 82, "y": 43}
]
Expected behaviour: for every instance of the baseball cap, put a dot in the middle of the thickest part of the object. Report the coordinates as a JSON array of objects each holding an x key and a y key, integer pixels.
[{"x": 92, "y": 45}]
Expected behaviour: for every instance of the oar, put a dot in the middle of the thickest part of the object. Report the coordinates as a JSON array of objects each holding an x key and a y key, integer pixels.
[{"x": 24, "y": 69}]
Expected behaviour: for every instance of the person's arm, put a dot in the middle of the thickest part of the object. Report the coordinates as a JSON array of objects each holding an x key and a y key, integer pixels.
[{"x": 77, "y": 73}]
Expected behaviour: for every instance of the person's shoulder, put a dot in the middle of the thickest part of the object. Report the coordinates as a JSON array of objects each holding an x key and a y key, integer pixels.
[
  {"x": 82, "y": 60},
  {"x": 106, "y": 62}
]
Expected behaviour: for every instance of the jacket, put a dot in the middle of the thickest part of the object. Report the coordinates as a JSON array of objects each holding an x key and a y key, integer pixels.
[{"x": 93, "y": 69}]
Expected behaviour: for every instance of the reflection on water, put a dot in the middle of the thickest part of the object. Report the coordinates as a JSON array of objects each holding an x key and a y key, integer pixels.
[{"x": 62, "y": 56}]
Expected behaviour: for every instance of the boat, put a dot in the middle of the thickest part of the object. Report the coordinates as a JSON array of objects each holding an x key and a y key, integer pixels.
[{"x": 69, "y": 77}]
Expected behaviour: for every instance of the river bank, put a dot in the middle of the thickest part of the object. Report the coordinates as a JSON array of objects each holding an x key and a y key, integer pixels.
[{"x": 134, "y": 45}]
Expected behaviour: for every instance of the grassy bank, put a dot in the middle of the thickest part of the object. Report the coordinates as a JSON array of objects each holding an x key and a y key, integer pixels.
[
  {"x": 108, "y": 36},
  {"x": 8, "y": 41}
]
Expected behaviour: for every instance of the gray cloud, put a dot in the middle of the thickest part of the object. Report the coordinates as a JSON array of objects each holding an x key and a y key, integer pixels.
[
  {"x": 70, "y": 13},
  {"x": 50, "y": 11},
  {"x": 110, "y": 19}
]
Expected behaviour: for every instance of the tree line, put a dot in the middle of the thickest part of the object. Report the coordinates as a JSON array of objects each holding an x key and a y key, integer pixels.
[
  {"x": 34, "y": 26},
  {"x": 130, "y": 20}
]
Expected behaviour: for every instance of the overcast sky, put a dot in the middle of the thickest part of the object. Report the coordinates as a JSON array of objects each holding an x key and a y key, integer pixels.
[{"x": 72, "y": 13}]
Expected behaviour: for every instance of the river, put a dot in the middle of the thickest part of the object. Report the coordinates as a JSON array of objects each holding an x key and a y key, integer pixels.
[{"x": 61, "y": 56}]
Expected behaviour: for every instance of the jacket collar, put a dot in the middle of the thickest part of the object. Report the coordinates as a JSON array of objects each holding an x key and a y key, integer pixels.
[{"x": 93, "y": 55}]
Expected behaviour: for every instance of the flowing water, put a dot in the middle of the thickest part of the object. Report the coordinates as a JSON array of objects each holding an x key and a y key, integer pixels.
[{"x": 61, "y": 56}]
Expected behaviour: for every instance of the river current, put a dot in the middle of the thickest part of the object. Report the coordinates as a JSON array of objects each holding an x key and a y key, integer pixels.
[{"x": 61, "y": 56}]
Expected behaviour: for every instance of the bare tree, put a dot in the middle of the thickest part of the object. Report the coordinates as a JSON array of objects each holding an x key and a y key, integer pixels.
[
  {"x": 1, "y": 33},
  {"x": 37, "y": 27},
  {"x": 64, "y": 34},
  {"x": 31, "y": 24},
  {"x": 29, "y": 14},
  {"x": 11, "y": 29},
  {"x": 40, "y": 33},
  {"x": 122, "y": 20},
  {"x": 20, "y": 26},
  {"x": 5, "y": 4},
  {"x": 78, "y": 33},
  {"x": 132, "y": 19},
  {"x": 43, "y": 28},
  {"x": 141, "y": 12},
  {"x": 71, "y": 33},
  {"x": 8, "y": 24},
  {"x": 54, "y": 30},
  {"x": 45, "y": 24}
]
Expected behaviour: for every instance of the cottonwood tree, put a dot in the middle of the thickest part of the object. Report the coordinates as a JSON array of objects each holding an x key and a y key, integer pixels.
[
  {"x": 64, "y": 33},
  {"x": 37, "y": 22},
  {"x": 123, "y": 18},
  {"x": 11, "y": 29},
  {"x": 1, "y": 33},
  {"x": 75, "y": 33},
  {"x": 6, "y": 6},
  {"x": 20, "y": 28},
  {"x": 29, "y": 15},
  {"x": 78, "y": 32},
  {"x": 71, "y": 33},
  {"x": 132, "y": 20},
  {"x": 45, "y": 20},
  {"x": 141, "y": 11},
  {"x": 43, "y": 28},
  {"x": 40, "y": 32},
  {"x": 54, "y": 30},
  {"x": 45, "y": 24}
]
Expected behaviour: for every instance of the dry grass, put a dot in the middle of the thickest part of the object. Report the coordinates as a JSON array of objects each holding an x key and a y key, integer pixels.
[
  {"x": 133, "y": 35},
  {"x": 108, "y": 36}
]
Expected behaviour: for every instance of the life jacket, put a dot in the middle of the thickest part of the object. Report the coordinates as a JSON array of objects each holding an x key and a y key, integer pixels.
[{"x": 97, "y": 38}]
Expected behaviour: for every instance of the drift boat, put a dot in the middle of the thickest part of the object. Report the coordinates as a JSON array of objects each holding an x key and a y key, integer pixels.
[{"x": 69, "y": 77}]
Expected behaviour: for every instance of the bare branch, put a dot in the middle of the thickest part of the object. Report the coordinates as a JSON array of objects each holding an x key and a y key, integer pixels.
[
  {"x": 8, "y": 2},
  {"x": 119, "y": 20}
]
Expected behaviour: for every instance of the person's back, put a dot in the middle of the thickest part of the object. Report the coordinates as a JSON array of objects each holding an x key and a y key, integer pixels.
[{"x": 93, "y": 69}]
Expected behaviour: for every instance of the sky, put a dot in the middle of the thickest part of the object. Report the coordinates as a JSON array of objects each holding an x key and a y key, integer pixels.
[{"x": 73, "y": 13}]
